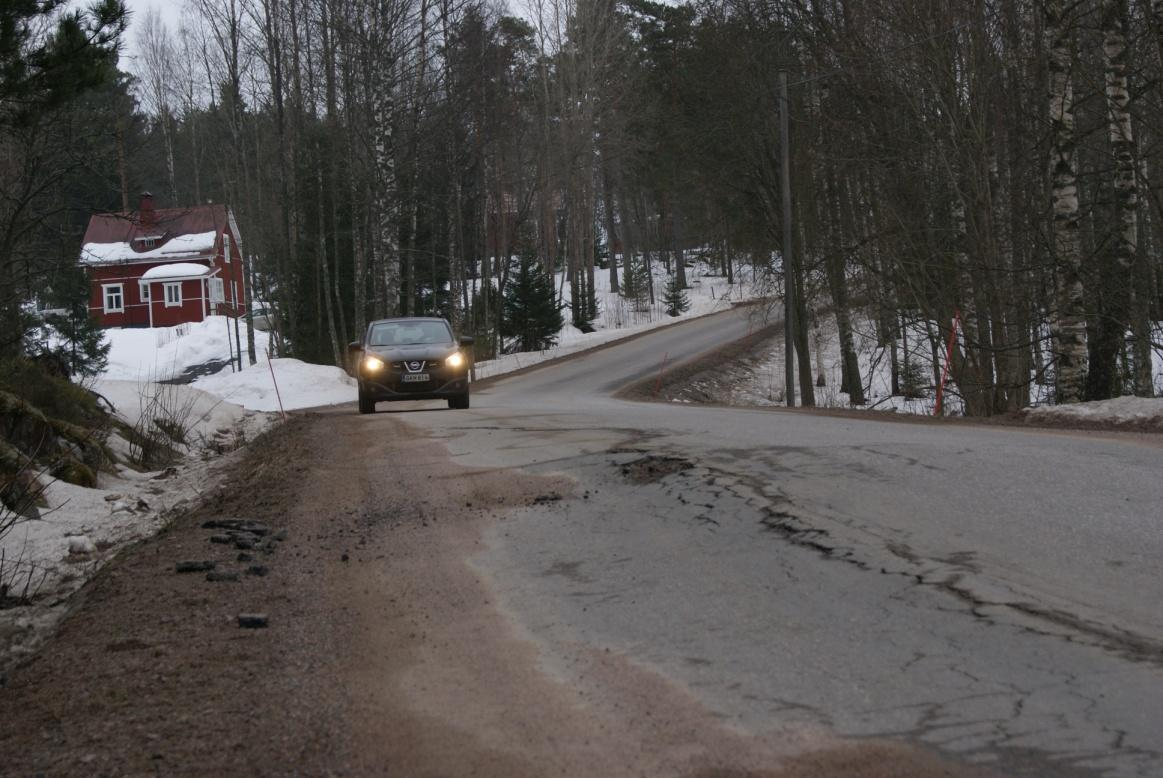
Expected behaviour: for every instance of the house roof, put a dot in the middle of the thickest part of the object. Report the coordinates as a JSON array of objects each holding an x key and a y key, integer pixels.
[{"x": 181, "y": 234}]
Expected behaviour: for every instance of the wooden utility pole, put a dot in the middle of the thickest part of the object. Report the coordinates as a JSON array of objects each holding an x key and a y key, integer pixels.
[{"x": 789, "y": 385}]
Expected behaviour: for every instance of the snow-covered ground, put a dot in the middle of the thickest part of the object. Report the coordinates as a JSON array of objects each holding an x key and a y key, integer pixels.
[
  {"x": 763, "y": 381},
  {"x": 159, "y": 353}
]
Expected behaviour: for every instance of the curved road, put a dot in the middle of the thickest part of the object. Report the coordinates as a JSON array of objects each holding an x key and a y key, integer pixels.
[{"x": 991, "y": 592}]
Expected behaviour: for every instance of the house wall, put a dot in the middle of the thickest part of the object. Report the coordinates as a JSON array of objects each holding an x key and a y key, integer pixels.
[
  {"x": 192, "y": 307},
  {"x": 137, "y": 313},
  {"x": 231, "y": 275}
]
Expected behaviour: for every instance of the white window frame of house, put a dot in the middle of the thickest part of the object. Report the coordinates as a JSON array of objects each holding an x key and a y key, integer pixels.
[
  {"x": 107, "y": 293},
  {"x": 226, "y": 246},
  {"x": 143, "y": 290},
  {"x": 173, "y": 294}
]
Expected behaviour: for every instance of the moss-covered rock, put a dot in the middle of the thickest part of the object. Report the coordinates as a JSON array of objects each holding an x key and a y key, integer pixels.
[
  {"x": 90, "y": 442},
  {"x": 47, "y": 426},
  {"x": 75, "y": 472},
  {"x": 25, "y": 426},
  {"x": 20, "y": 488}
]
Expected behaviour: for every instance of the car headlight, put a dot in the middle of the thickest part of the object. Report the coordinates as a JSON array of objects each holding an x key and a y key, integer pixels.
[
  {"x": 373, "y": 364},
  {"x": 456, "y": 360}
]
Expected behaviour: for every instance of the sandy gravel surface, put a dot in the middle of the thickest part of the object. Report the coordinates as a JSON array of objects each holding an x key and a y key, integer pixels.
[{"x": 385, "y": 654}]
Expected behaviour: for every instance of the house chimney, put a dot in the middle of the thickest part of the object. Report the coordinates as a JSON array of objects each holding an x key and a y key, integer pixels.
[{"x": 145, "y": 210}]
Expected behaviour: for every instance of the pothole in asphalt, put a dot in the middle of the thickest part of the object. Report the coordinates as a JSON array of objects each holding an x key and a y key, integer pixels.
[{"x": 654, "y": 467}]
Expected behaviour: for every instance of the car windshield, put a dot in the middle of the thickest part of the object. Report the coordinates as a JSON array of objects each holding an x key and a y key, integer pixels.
[{"x": 409, "y": 333}]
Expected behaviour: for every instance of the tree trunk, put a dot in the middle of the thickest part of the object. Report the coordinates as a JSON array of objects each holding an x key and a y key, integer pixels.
[
  {"x": 1103, "y": 380},
  {"x": 1068, "y": 328},
  {"x": 385, "y": 239}
]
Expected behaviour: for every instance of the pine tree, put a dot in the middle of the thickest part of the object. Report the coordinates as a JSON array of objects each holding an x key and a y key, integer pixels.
[
  {"x": 674, "y": 297},
  {"x": 532, "y": 317}
]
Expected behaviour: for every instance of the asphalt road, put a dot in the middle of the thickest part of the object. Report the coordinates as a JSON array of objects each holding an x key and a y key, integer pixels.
[{"x": 991, "y": 592}]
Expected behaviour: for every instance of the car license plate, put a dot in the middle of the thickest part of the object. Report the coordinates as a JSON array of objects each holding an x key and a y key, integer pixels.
[{"x": 410, "y": 378}]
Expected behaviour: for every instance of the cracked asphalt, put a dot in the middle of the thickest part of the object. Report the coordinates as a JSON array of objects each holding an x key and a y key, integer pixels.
[{"x": 990, "y": 592}]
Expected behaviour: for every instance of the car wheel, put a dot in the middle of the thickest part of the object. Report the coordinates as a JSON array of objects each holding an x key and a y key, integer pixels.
[
  {"x": 366, "y": 404},
  {"x": 459, "y": 403}
]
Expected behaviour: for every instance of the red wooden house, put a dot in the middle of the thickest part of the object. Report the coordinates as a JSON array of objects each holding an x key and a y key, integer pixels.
[{"x": 158, "y": 268}]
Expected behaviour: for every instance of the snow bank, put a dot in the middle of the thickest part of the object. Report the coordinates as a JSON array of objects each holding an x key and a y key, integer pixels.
[
  {"x": 300, "y": 385},
  {"x": 205, "y": 413},
  {"x": 164, "y": 352},
  {"x": 1145, "y": 411}
]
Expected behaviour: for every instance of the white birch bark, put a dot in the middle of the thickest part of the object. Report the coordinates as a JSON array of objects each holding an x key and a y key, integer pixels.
[
  {"x": 1068, "y": 325},
  {"x": 385, "y": 234}
]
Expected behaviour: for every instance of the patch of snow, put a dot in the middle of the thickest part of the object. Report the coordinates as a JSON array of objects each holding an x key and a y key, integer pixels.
[
  {"x": 205, "y": 414},
  {"x": 178, "y": 247},
  {"x": 1120, "y": 410},
  {"x": 176, "y": 270},
  {"x": 80, "y": 544},
  {"x": 164, "y": 352},
  {"x": 299, "y": 385}
]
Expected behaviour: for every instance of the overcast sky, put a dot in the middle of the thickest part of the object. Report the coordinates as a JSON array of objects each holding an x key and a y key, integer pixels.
[{"x": 171, "y": 13}]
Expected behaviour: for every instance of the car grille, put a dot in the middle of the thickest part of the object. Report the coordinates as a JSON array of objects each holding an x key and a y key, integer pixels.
[{"x": 425, "y": 365}]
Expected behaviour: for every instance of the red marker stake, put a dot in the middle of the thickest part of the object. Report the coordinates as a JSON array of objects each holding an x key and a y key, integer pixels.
[{"x": 276, "y": 383}]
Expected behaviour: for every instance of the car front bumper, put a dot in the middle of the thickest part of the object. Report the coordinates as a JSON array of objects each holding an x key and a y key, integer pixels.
[{"x": 440, "y": 386}]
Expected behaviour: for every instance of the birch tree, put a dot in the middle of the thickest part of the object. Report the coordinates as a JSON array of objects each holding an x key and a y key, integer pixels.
[{"x": 1069, "y": 321}]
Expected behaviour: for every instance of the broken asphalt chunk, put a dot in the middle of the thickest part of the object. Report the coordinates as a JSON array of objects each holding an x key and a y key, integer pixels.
[
  {"x": 238, "y": 525},
  {"x": 253, "y": 620},
  {"x": 195, "y": 566}
]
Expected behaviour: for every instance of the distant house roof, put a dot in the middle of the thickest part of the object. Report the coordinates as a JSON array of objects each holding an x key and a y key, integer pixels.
[
  {"x": 162, "y": 235},
  {"x": 179, "y": 247}
]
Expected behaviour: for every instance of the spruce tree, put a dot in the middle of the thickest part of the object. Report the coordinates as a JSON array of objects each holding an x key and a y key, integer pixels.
[
  {"x": 674, "y": 298},
  {"x": 636, "y": 283},
  {"x": 81, "y": 343},
  {"x": 532, "y": 317}
]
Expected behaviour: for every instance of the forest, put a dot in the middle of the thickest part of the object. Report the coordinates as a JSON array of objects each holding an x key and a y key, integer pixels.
[{"x": 987, "y": 165}]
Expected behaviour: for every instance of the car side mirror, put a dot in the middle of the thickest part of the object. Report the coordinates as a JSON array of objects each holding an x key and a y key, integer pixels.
[
  {"x": 467, "y": 340},
  {"x": 354, "y": 346}
]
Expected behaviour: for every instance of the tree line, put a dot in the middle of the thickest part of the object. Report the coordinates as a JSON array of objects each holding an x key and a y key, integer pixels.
[{"x": 985, "y": 166}]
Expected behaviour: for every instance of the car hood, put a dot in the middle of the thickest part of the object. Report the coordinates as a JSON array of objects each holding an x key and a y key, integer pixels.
[{"x": 412, "y": 353}]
